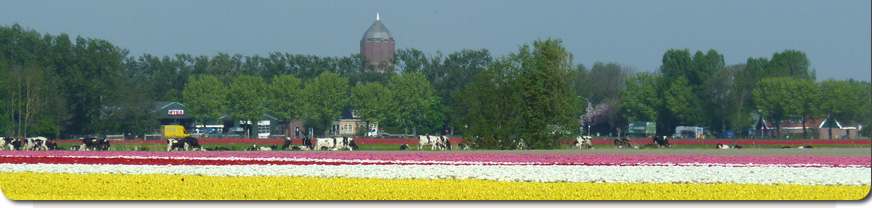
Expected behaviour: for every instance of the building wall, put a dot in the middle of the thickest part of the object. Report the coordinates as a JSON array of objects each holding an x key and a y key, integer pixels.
[
  {"x": 378, "y": 52},
  {"x": 289, "y": 129},
  {"x": 838, "y": 133}
]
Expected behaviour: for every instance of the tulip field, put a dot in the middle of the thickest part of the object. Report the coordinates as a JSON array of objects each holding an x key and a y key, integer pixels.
[{"x": 428, "y": 175}]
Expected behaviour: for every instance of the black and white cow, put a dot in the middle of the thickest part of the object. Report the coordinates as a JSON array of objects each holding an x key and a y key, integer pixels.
[
  {"x": 4, "y": 143},
  {"x": 220, "y": 148},
  {"x": 52, "y": 145},
  {"x": 343, "y": 143},
  {"x": 95, "y": 144},
  {"x": 175, "y": 145},
  {"x": 447, "y": 142},
  {"x": 287, "y": 144},
  {"x": 662, "y": 142},
  {"x": 324, "y": 143},
  {"x": 404, "y": 147},
  {"x": 519, "y": 144},
  {"x": 191, "y": 143},
  {"x": 463, "y": 146},
  {"x": 433, "y": 141},
  {"x": 35, "y": 143},
  {"x": 722, "y": 146},
  {"x": 10, "y": 143},
  {"x": 805, "y": 147},
  {"x": 621, "y": 143},
  {"x": 307, "y": 144},
  {"x": 274, "y": 147},
  {"x": 737, "y": 146},
  {"x": 583, "y": 141}
]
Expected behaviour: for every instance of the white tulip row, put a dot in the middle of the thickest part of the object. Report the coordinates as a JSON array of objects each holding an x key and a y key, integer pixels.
[{"x": 594, "y": 174}]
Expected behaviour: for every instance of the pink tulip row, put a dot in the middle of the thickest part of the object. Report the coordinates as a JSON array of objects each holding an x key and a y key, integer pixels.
[
  {"x": 738, "y": 141},
  {"x": 264, "y": 141},
  {"x": 521, "y": 159}
]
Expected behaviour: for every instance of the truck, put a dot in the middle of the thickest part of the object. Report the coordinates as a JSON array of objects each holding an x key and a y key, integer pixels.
[
  {"x": 173, "y": 132},
  {"x": 642, "y": 128},
  {"x": 690, "y": 132}
]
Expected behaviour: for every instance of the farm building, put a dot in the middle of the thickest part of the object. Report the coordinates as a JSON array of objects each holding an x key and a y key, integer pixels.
[{"x": 816, "y": 128}]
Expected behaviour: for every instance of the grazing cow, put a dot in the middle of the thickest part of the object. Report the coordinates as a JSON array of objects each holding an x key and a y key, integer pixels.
[
  {"x": 722, "y": 146},
  {"x": 463, "y": 146},
  {"x": 583, "y": 141},
  {"x": 737, "y": 146},
  {"x": 11, "y": 143},
  {"x": 95, "y": 144},
  {"x": 808, "y": 147},
  {"x": 287, "y": 143},
  {"x": 404, "y": 147},
  {"x": 621, "y": 143},
  {"x": 342, "y": 143},
  {"x": 662, "y": 142},
  {"x": 219, "y": 148},
  {"x": 519, "y": 144},
  {"x": 35, "y": 143},
  {"x": 52, "y": 145},
  {"x": 5, "y": 143},
  {"x": 274, "y": 147},
  {"x": 433, "y": 141},
  {"x": 447, "y": 142},
  {"x": 253, "y": 148},
  {"x": 175, "y": 145},
  {"x": 324, "y": 143},
  {"x": 785, "y": 147},
  {"x": 307, "y": 144},
  {"x": 191, "y": 142}
]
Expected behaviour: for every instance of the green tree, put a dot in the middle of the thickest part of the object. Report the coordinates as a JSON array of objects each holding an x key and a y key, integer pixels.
[
  {"x": 680, "y": 101},
  {"x": 773, "y": 99},
  {"x": 791, "y": 63},
  {"x": 325, "y": 97},
  {"x": 805, "y": 101},
  {"x": 547, "y": 99},
  {"x": 372, "y": 101},
  {"x": 640, "y": 101},
  {"x": 839, "y": 100},
  {"x": 246, "y": 99},
  {"x": 492, "y": 103},
  {"x": 286, "y": 97},
  {"x": 205, "y": 97},
  {"x": 413, "y": 98}
]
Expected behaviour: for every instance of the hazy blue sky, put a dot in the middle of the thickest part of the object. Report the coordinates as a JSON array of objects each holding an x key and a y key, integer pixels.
[{"x": 834, "y": 34}]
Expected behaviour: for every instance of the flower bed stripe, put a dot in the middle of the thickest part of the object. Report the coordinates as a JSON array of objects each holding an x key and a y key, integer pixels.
[
  {"x": 574, "y": 174},
  {"x": 461, "y": 140},
  {"x": 138, "y": 160},
  {"x": 42, "y": 186},
  {"x": 263, "y": 141},
  {"x": 473, "y": 158},
  {"x": 738, "y": 141}
]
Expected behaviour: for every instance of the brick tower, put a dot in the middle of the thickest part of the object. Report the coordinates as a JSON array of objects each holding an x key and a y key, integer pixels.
[{"x": 377, "y": 45}]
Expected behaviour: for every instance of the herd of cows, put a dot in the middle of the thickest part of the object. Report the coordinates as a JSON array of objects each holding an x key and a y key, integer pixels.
[{"x": 330, "y": 144}]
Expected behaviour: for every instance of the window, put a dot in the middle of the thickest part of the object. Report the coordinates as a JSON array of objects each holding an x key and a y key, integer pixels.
[{"x": 263, "y": 129}]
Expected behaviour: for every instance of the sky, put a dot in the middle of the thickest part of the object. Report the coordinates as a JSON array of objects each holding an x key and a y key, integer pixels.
[{"x": 835, "y": 35}]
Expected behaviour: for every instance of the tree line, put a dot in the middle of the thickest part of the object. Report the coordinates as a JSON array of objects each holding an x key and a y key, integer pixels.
[{"x": 54, "y": 86}]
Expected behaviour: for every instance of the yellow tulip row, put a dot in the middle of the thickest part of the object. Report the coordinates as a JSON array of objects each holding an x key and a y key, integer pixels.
[{"x": 46, "y": 186}]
